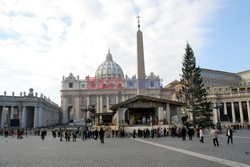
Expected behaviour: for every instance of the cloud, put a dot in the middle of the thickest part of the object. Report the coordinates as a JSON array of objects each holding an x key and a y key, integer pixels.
[{"x": 40, "y": 41}]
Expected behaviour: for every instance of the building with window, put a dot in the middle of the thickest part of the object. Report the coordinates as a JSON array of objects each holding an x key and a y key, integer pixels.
[{"x": 229, "y": 94}]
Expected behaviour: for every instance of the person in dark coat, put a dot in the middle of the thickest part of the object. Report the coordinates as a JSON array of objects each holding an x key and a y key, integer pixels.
[
  {"x": 96, "y": 134},
  {"x": 229, "y": 135},
  {"x": 190, "y": 133},
  {"x": 43, "y": 133},
  {"x": 183, "y": 133},
  {"x": 134, "y": 133},
  {"x": 101, "y": 134}
]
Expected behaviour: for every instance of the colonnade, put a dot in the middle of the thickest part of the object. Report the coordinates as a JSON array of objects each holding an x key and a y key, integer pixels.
[
  {"x": 28, "y": 116},
  {"x": 224, "y": 104}
]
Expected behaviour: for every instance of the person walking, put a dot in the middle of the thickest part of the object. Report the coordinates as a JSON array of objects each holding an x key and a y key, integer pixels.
[
  {"x": 183, "y": 133},
  {"x": 74, "y": 136},
  {"x": 190, "y": 133},
  {"x": 43, "y": 134},
  {"x": 134, "y": 133},
  {"x": 95, "y": 134},
  {"x": 201, "y": 134},
  {"x": 61, "y": 134},
  {"x": 101, "y": 134},
  {"x": 214, "y": 135},
  {"x": 229, "y": 135}
]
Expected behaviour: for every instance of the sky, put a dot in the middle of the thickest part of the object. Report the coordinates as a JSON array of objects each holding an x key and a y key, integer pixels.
[{"x": 43, "y": 40}]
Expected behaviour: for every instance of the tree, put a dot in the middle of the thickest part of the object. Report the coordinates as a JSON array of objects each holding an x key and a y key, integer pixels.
[{"x": 193, "y": 93}]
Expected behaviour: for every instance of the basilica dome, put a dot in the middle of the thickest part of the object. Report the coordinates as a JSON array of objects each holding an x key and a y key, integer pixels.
[{"x": 109, "y": 69}]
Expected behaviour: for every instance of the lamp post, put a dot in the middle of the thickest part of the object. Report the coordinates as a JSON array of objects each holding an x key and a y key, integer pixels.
[{"x": 87, "y": 109}]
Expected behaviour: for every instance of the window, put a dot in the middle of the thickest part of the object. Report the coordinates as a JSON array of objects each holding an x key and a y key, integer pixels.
[
  {"x": 70, "y": 85},
  {"x": 152, "y": 84},
  {"x": 70, "y": 100}
]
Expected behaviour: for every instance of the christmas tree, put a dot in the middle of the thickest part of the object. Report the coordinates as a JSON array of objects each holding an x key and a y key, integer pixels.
[{"x": 193, "y": 93}]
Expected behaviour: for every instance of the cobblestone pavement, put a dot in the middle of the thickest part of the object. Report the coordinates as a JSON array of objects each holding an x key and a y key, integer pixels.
[{"x": 34, "y": 152}]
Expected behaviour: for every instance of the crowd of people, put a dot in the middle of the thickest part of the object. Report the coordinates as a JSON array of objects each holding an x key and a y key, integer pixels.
[
  {"x": 85, "y": 133},
  {"x": 182, "y": 132}
]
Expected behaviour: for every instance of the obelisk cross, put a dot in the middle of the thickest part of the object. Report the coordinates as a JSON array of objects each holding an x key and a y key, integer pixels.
[{"x": 138, "y": 17}]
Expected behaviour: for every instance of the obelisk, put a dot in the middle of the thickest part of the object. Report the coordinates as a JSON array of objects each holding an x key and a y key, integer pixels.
[{"x": 141, "y": 84}]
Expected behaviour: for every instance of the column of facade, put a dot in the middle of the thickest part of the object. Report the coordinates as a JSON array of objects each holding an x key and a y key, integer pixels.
[
  {"x": 168, "y": 113},
  {"x": 123, "y": 98},
  {"x": 77, "y": 108},
  {"x": 65, "y": 117},
  {"x": 248, "y": 111},
  {"x": 88, "y": 104},
  {"x": 225, "y": 108},
  {"x": 24, "y": 117},
  {"x": 101, "y": 104},
  {"x": 97, "y": 104},
  {"x": 215, "y": 114},
  {"x": 35, "y": 117},
  {"x": 116, "y": 99},
  {"x": 233, "y": 112},
  {"x": 12, "y": 112},
  {"x": 3, "y": 117},
  {"x": 241, "y": 113},
  {"x": 107, "y": 102}
]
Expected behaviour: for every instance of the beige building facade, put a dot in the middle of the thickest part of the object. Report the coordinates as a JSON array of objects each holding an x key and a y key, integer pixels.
[{"x": 230, "y": 95}]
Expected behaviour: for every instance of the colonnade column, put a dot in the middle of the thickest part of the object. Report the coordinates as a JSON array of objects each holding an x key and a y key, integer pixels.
[
  {"x": 215, "y": 113},
  {"x": 36, "y": 117},
  {"x": 12, "y": 112},
  {"x": 3, "y": 117},
  {"x": 248, "y": 111},
  {"x": 107, "y": 106},
  {"x": 24, "y": 117},
  {"x": 40, "y": 116},
  {"x": 225, "y": 108},
  {"x": 241, "y": 113},
  {"x": 233, "y": 112},
  {"x": 20, "y": 116}
]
